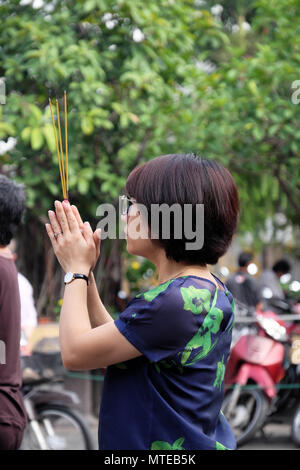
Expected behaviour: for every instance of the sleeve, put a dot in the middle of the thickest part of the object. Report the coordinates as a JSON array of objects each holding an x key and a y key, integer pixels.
[
  {"x": 157, "y": 328},
  {"x": 28, "y": 310}
]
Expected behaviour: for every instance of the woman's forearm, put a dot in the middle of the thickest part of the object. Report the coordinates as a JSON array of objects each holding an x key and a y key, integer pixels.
[
  {"x": 82, "y": 310},
  {"x": 97, "y": 312},
  {"x": 74, "y": 319}
]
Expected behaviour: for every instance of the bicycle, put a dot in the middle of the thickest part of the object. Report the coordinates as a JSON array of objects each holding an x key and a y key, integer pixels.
[{"x": 53, "y": 423}]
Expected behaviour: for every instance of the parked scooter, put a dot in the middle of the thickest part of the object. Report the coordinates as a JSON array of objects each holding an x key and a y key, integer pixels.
[
  {"x": 256, "y": 364},
  {"x": 262, "y": 376},
  {"x": 286, "y": 406}
]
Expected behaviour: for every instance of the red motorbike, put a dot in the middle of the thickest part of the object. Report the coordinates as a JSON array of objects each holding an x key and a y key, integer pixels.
[{"x": 256, "y": 364}]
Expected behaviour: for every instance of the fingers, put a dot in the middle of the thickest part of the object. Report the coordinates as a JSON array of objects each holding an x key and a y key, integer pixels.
[
  {"x": 66, "y": 217},
  {"x": 55, "y": 225},
  {"x": 88, "y": 233},
  {"x": 50, "y": 232},
  {"x": 61, "y": 217},
  {"x": 77, "y": 216},
  {"x": 68, "y": 220}
]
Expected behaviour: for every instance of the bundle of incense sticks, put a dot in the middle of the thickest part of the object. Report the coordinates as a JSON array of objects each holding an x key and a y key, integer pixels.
[{"x": 62, "y": 168}]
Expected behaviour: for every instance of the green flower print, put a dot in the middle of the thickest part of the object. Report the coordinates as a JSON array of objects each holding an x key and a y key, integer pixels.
[
  {"x": 220, "y": 374},
  {"x": 220, "y": 446},
  {"x": 132, "y": 317},
  {"x": 163, "y": 445},
  {"x": 196, "y": 300},
  {"x": 202, "y": 339},
  {"x": 152, "y": 293},
  {"x": 166, "y": 364}
]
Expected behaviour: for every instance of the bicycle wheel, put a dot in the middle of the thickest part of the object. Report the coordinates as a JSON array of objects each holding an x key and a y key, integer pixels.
[
  {"x": 248, "y": 415},
  {"x": 296, "y": 427},
  {"x": 62, "y": 429}
]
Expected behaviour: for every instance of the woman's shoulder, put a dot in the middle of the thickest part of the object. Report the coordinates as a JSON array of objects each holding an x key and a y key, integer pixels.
[
  {"x": 181, "y": 312},
  {"x": 180, "y": 290},
  {"x": 159, "y": 291},
  {"x": 185, "y": 293}
]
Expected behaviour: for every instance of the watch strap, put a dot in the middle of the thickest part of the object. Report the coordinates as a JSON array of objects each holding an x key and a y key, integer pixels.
[{"x": 81, "y": 276}]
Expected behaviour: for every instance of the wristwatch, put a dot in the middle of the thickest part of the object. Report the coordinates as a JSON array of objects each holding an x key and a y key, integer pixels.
[{"x": 69, "y": 277}]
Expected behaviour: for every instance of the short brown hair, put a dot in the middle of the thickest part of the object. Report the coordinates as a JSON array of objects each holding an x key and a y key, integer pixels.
[{"x": 189, "y": 179}]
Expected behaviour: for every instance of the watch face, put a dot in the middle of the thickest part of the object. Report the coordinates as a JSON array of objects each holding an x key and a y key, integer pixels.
[{"x": 68, "y": 277}]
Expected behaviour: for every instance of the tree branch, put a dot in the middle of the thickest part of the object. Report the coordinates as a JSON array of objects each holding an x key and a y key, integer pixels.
[{"x": 285, "y": 188}]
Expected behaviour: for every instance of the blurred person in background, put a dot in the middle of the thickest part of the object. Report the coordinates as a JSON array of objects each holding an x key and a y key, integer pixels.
[
  {"x": 28, "y": 311},
  {"x": 269, "y": 281},
  {"x": 242, "y": 285},
  {"x": 12, "y": 411}
]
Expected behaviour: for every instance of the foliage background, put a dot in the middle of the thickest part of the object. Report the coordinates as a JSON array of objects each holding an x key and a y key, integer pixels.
[{"x": 145, "y": 79}]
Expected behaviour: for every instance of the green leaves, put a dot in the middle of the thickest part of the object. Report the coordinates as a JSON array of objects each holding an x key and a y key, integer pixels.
[
  {"x": 37, "y": 138},
  {"x": 87, "y": 125},
  {"x": 255, "y": 133},
  {"x": 131, "y": 98},
  {"x": 6, "y": 129},
  {"x": 253, "y": 88},
  {"x": 49, "y": 137}
]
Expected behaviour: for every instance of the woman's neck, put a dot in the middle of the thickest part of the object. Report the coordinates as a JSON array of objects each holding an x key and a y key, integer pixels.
[{"x": 168, "y": 269}]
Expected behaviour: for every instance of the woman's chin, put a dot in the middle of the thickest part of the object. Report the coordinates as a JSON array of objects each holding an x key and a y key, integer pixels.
[
  {"x": 132, "y": 250},
  {"x": 129, "y": 247}
]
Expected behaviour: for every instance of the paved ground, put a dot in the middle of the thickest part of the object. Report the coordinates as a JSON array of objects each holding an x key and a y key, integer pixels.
[{"x": 277, "y": 437}]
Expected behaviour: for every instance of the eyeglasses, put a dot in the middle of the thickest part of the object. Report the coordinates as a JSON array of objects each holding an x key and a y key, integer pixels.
[{"x": 125, "y": 204}]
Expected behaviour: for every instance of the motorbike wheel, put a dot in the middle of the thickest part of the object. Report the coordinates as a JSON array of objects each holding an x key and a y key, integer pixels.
[
  {"x": 62, "y": 429},
  {"x": 248, "y": 415},
  {"x": 296, "y": 427}
]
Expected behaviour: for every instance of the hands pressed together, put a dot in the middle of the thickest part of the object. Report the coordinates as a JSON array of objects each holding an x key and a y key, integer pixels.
[
  {"x": 75, "y": 245},
  {"x": 92, "y": 341}
]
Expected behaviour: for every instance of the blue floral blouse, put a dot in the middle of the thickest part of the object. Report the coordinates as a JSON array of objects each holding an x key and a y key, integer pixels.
[{"x": 171, "y": 396}]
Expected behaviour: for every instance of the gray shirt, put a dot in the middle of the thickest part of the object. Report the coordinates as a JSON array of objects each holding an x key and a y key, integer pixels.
[
  {"x": 269, "y": 285},
  {"x": 244, "y": 288}
]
